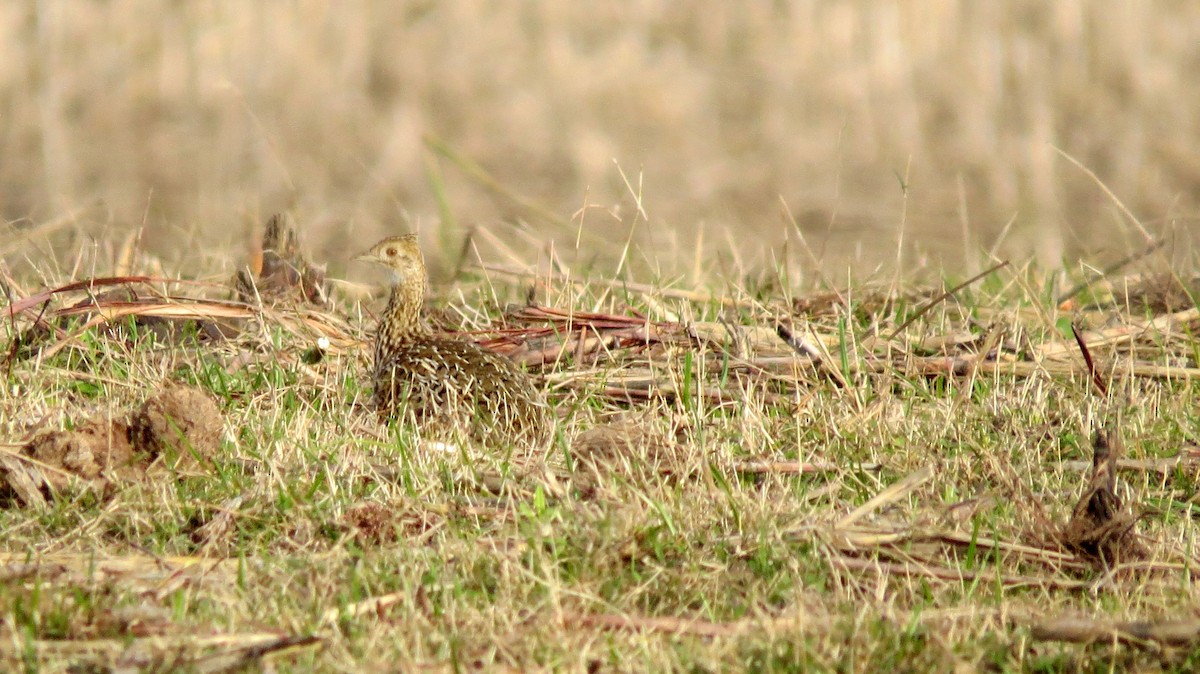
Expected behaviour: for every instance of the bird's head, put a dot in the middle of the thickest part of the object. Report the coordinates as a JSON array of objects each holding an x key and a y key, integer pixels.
[{"x": 401, "y": 255}]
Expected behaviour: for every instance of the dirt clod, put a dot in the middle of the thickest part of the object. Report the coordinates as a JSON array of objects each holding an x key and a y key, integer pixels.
[
  {"x": 181, "y": 424},
  {"x": 370, "y": 523},
  {"x": 97, "y": 448},
  {"x": 180, "y": 421}
]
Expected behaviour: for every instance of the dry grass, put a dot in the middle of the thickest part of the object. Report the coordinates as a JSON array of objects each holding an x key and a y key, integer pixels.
[
  {"x": 800, "y": 123},
  {"x": 883, "y": 490},
  {"x": 763, "y": 461}
]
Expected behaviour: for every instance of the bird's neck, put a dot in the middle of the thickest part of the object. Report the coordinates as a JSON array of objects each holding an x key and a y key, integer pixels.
[{"x": 401, "y": 319}]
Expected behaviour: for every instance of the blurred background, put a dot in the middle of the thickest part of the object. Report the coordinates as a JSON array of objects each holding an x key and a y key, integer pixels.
[{"x": 827, "y": 135}]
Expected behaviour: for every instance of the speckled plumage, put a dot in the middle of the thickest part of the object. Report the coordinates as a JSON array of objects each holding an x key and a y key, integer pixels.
[{"x": 445, "y": 385}]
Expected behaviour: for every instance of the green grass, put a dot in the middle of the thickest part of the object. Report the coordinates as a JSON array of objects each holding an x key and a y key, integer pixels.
[{"x": 477, "y": 559}]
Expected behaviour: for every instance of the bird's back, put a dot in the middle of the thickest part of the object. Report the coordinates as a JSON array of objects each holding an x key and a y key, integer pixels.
[{"x": 445, "y": 384}]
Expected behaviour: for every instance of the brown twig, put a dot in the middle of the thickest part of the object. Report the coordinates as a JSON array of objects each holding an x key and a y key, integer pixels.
[
  {"x": 1097, "y": 380},
  {"x": 817, "y": 357}
]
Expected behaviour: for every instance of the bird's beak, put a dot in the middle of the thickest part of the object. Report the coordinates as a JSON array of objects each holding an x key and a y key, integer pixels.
[{"x": 365, "y": 257}]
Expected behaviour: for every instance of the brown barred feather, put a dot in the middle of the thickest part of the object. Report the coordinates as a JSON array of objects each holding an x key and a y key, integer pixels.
[{"x": 443, "y": 385}]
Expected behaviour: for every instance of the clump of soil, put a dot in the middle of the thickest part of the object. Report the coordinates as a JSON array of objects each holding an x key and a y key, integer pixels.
[
  {"x": 96, "y": 448},
  {"x": 370, "y": 524},
  {"x": 180, "y": 423},
  {"x": 177, "y": 427}
]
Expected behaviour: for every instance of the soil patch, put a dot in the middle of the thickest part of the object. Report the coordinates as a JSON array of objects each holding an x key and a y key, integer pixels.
[{"x": 177, "y": 427}]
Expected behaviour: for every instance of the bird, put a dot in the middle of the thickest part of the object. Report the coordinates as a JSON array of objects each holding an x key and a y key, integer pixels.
[{"x": 445, "y": 386}]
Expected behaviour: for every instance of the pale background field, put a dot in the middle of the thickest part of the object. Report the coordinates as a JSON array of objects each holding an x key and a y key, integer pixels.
[{"x": 200, "y": 118}]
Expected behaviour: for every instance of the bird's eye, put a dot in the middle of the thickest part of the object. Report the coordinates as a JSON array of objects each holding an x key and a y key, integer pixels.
[{"x": 391, "y": 252}]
